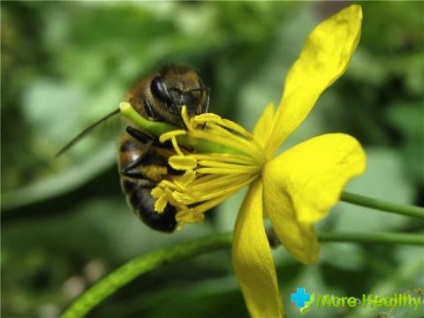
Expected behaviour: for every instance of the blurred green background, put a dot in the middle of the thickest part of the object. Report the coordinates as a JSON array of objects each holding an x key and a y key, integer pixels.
[{"x": 65, "y": 222}]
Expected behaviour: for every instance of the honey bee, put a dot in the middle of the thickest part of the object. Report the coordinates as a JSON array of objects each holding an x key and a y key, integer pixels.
[{"x": 143, "y": 161}]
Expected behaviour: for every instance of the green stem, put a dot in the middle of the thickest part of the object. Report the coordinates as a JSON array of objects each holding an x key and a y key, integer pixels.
[
  {"x": 380, "y": 238},
  {"x": 381, "y": 205},
  {"x": 155, "y": 259},
  {"x": 141, "y": 265}
]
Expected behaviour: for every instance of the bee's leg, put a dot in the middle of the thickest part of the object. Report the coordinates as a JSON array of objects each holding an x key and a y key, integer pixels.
[
  {"x": 130, "y": 171},
  {"x": 139, "y": 135},
  {"x": 149, "y": 110},
  {"x": 132, "y": 156},
  {"x": 145, "y": 138}
]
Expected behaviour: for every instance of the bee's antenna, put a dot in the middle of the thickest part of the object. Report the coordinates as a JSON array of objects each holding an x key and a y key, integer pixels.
[{"x": 84, "y": 132}]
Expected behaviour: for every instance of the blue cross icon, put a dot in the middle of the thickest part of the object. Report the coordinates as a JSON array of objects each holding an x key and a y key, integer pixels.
[{"x": 300, "y": 297}]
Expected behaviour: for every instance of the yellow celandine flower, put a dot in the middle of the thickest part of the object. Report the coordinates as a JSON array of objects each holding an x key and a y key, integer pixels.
[{"x": 295, "y": 189}]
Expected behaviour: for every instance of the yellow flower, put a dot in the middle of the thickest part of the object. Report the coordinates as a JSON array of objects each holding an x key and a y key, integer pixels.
[{"x": 295, "y": 189}]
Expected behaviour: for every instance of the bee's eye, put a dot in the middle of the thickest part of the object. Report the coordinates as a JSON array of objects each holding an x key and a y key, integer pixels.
[{"x": 159, "y": 90}]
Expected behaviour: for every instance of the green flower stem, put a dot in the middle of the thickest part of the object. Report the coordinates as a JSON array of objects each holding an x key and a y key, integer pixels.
[
  {"x": 155, "y": 259},
  {"x": 141, "y": 265},
  {"x": 381, "y": 205},
  {"x": 380, "y": 238}
]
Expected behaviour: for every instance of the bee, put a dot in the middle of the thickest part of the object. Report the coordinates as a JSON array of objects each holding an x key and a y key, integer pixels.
[{"x": 143, "y": 160}]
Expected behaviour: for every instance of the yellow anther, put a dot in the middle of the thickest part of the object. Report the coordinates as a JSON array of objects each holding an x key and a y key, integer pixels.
[{"x": 182, "y": 162}]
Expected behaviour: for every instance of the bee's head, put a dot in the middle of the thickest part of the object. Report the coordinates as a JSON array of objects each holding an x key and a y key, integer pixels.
[{"x": 169, "y": 90}]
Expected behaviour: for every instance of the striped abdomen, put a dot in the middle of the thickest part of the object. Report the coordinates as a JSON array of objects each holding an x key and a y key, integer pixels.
[{"x": 142, "y": 167}]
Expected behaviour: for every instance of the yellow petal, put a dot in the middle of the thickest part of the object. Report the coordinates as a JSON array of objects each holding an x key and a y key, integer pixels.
[
  {"x": 324, "y": 58},
  {"x": 262, "y": 128},
  {"x": 252, "y": 258},
  {"x": 303, "y": 183}
]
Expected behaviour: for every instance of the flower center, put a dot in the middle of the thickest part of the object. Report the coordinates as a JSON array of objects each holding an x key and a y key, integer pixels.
[{"x": 232, "y": 160}]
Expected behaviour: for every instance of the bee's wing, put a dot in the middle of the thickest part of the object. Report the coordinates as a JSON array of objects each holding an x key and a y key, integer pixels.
[{"x": 84, "y": 132}]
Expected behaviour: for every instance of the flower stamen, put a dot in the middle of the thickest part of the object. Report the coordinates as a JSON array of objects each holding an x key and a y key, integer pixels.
[{"x": 209, "y": 178}]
